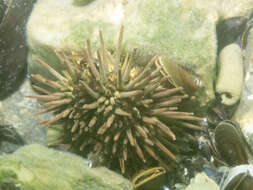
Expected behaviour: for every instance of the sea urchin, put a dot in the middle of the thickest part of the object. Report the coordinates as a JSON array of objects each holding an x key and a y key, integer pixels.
[{"x": 109, "y": 105}]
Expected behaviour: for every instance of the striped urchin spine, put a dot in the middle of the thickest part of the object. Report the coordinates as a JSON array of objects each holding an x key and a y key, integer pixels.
[{"x": 108, "y": 105}]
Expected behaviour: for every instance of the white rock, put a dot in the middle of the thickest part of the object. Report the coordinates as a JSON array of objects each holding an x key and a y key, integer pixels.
[{"x": 202, "y": 181}]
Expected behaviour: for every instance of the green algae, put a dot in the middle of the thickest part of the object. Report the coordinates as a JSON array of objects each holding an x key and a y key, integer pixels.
[
  {"x": 81, "y": 2},
  {"x": 35, "y": 167}
]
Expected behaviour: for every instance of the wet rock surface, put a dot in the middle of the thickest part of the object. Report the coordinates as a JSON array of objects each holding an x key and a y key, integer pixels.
[
  {"x": 18, "y": 123},
  {"x": 13, "y": 48},
  {"x": 3, "y": 7},
  {"x": 234, "y": 8},
  {"x": 37, "y": 167}
]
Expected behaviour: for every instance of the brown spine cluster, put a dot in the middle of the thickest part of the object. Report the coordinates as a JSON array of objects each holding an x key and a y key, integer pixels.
[{"x": 108, "y": 106}]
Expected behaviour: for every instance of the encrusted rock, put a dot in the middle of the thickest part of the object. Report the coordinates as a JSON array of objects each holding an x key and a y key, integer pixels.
[{"x": 37, "y": 167}]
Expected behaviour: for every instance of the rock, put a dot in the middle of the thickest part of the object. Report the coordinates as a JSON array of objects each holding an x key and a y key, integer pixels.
[
  {"x": 3, "y": 7},
  {"x": 182, "y": 32},
  {"x": 9, "y": 134},
  {"x": 201, "y": 180},
  {"x": 18, "y": 112},
  {"x": 230, "y": 75},
  {"x": 13, "y": 49},
  {"x": 234, "y": 8},
  {"x": 40, "y": 168}
]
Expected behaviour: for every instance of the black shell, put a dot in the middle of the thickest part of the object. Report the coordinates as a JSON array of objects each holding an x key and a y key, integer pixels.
[
  {"x": 230, "y": 143},
  {"x": 229, "y": 30},
  {"x": 242, "y": 181}
]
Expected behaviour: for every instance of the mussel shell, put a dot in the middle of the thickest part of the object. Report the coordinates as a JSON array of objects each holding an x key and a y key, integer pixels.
[
  {"x": 241, "y": 184},
  {"x": 230, "y": 143},
  {"x": 149, "y": 179},
  {"x": 239, "y": 178},
  {"x": 229, "y": 29}
]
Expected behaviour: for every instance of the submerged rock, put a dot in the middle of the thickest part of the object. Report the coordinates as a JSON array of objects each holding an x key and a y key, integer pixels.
[
  {"x": 37, "y": 167},
  {"x": 17, "y": 116},
  {"x": 181, "y": 32},
  {"x": 13, "y": 49},
  {"x": 234, "y": 8},
  {"x": 201, "y": 181},
  {"x": 3, "y": 7}
]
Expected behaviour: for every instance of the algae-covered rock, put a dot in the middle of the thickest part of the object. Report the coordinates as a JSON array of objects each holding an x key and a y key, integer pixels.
[
  {"x": 37, "y": 167},
  {"x": 234, "y": 8},
  {"x": 181, "y": 31}
]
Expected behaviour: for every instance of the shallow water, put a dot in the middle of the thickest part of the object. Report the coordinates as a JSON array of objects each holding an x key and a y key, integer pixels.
[{"x": 197, "y": 149}]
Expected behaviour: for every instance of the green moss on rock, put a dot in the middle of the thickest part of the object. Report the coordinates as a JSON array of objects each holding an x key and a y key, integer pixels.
[
  {"x": 37, "y": 167},
  {"x": 81, "y": 2}
]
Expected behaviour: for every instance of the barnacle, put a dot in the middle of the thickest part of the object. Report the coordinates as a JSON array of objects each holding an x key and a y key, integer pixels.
[{"x": 110, "y": 105}]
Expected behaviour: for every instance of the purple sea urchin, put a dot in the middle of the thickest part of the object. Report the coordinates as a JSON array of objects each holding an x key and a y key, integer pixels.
[{"x": 108, "y": 105}]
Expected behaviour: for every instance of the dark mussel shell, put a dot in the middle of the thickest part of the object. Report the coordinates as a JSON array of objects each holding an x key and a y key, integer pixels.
[
  {"x": 230, "y": 143},
  {"x": 229, "y": 30},
  {"x": 243, "y": 181},
  {"x": 149, "y": 179},
  {"x": 238, "y": 178}
]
